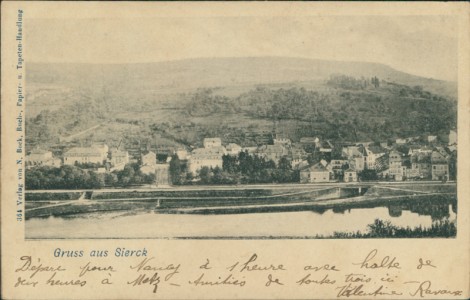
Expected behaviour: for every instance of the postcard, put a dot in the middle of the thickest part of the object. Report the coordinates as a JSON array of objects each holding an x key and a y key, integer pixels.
[{"x": 235, "y": 150}]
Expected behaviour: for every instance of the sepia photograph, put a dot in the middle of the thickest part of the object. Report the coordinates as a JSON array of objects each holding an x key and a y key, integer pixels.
[
  {"x": 249, "y": 127},
  {"x": 234, "y": 150}
]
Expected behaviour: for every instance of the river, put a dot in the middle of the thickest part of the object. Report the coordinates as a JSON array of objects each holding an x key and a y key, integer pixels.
[{"x": 140, "y": 224}]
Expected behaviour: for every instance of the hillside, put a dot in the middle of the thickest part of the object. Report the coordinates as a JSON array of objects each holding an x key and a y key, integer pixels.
[
  {"x": 184, "y": 75},
  {"x": 240, "y": 99}
]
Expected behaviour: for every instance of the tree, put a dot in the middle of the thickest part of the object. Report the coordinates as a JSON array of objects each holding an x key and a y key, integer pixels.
[
  {"x": 175, "y": 170},
  {"x": 205, "y": 175},
  {"x": 284, "y": 164}
]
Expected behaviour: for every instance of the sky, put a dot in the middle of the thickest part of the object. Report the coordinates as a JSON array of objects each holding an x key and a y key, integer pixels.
[{"x": 421, "y": 45}]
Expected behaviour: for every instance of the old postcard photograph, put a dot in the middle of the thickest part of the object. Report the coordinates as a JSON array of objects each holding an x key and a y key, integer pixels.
[{"x": 235, "y": 150}]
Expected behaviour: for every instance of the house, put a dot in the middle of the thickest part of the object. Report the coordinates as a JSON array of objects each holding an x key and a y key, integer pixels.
[
  {"x": 432, "y": 138},
  {"x": 395, "y": 165},
  {"x": 439, "y": 166},
  {"x": 413, "y": 149},
  {"x": 212, "y": 142},
  {"x": 119, "y": 157},
  {"x": 350, "y": 151},
  {"x": 283, "y": 141},
  {"x": 182, "y": 153},
  {"x": 382, "y": 163},
  {"x": 371, "y": 154},
  {"x": 315, "y": 173},
  {"x": 83, "y": 155},
  {"x": 421, "y": 165},
  {"x": 336, "y": 167},
  {"x": 233, "y": 149},
  {"x": 272, "y": 152},
  {"x": 356, "y": 160},
  {"x": 38, "y": 157},
  {"x": 338, "y": 163},
  {"x": 350, "y": 175},
  {"x": 205, "y": 157},
  {"x": 452, "y": 137},
  {"x": 297, "y": 154},
  {"x": 148, "y": 158}
]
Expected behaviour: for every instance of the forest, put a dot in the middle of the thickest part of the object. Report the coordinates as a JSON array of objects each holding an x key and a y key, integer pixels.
[{"x": 343, "y": 108}]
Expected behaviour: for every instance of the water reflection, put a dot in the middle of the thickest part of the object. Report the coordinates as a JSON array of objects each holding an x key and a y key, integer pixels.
[{"x": 325, "y": 220}]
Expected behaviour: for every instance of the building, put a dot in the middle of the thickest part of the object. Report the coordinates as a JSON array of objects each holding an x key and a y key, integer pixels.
[
  {"x": 432, "y": 138},
  {"x": 396, "y": 165},
  {"x": 382, "y": 163},
  {"x": 297, "y": 154},
  {"x": 103, "y": 148},
  {"x": 439, "y": 166},
  {"x": 205, "y": 157},
  {"x": 414, "y": 149},
  {"x": 119, "y": 157},
  {"x": 272, "y": 152},
  {"x": 283, "y": 141},
  {"x": 350, "y": 175},
  {"x": 38, "y": 157},
  {"x": 85, "y": 155},
  {"x": 182, "y": 153},
  {"x": 421, "y": 166},
  {"x": 315, "y": 173},
  {"x": 371, "y": 155},
  {"x": 212, "y": 142},
  {"x": 148, "y": 158},
  {"x": 148, "y": 169},
  {"x": 233, "y": 149},
  {"x": 336, "y": 167},
  {"x": 356, "y": 156}
]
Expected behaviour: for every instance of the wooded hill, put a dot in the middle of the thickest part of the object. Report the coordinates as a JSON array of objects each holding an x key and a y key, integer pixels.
[{"x": 180, "y": 103}]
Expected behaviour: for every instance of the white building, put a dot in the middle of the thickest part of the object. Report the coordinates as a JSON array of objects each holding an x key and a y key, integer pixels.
[
  {"x": 119, "y": 158},
  {"x": 315, "y": 173},
  {"x": 149, "y": 159},
  {"x": 83, "y": 155},
  {"x": 205, "y": 157},
  {"x": 38, "y": 157},
  {"x": 182, "y": 154},
  {"x": 372, "y": 153},
  {"x": 350, "y": 176}
]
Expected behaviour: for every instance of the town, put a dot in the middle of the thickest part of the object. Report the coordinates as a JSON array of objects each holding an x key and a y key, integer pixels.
[{"x": 280, "y": 160}]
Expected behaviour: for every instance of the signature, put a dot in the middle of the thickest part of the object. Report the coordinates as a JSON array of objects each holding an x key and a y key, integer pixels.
[{"x": 424, "y": 289}]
